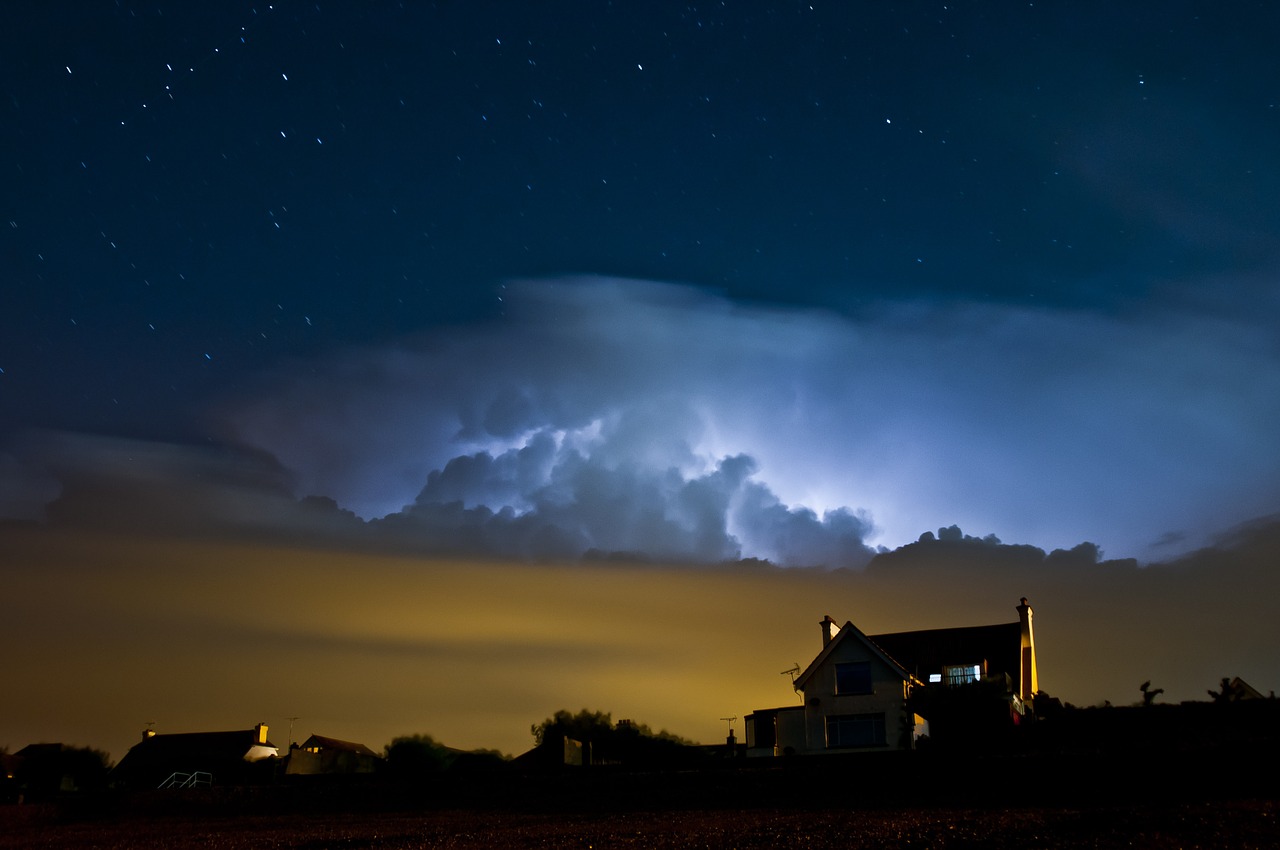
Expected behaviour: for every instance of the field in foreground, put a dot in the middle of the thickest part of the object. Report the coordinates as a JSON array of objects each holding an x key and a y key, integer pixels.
[
  {"x": 1235, "y": 824},
  {"x": 1225, "y": 798}
]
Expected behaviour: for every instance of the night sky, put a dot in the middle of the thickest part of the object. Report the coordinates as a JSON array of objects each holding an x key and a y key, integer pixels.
[{"x": 611, "y": 298}]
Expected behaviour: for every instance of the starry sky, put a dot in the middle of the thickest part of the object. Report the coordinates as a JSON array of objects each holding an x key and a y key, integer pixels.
[{"x": 847, "y": 288}]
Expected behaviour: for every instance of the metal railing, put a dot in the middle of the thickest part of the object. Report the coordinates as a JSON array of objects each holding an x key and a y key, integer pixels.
[{"x": 195, "y": 779}]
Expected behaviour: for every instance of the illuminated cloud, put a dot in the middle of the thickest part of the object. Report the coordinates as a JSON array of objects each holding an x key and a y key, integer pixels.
[{"x": 606, "y": 414}]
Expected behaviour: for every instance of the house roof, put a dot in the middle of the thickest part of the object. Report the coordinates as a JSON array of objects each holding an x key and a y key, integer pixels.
[
  {"x": 324, "y": 743},
  {"x": 39, "y": 750},
  {"x": 930, "y": 650},
  {"x": 850, "y": 632},
  {"x": 191, "y": 750},
  {"x": 1243, "y": 690}
]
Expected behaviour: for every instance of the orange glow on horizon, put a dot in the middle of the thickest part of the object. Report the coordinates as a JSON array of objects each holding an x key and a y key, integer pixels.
[{"x": 114, "y": 632}]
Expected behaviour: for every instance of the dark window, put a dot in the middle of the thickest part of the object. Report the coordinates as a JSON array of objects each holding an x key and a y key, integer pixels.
[
  {"x": 853, "y": 677},
  {"x": 855, "y": 730},
  {"x": 762, "y": 730}
]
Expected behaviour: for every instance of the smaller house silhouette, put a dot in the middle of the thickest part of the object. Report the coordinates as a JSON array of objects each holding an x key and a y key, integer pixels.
[{"x": 319, "y": 755}]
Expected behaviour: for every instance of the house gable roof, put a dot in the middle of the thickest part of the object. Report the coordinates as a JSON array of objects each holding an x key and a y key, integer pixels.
[
  {"x": 323, "y": 743},
  {"x": 850, "y": 632}
]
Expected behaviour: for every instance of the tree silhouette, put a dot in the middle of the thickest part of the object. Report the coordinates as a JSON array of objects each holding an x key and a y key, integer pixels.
[
  {"x": 1229, "y": 692},
  {"x": 584, "y": 726},
  {"x": 626, "y": 742},
  {"x": 416, "y": 757},
  {"x": 1148, "y": 694}
]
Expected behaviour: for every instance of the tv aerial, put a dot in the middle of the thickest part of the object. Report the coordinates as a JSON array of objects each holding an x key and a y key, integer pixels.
[{"x": 793, "y": 671}]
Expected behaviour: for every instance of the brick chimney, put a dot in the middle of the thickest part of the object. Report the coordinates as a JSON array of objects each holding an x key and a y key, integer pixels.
[
  {"x": 260, "y": 733},
  {"x": 1028, "y": 685},
  {"x": 829, "y": 630}
]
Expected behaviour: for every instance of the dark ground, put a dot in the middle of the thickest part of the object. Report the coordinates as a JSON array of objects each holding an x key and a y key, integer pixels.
[
  {"x": 1237, "y": 824},
  {"x": 1215, "y": 800}
]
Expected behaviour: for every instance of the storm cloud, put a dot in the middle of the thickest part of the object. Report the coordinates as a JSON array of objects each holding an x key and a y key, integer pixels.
[
  {"x": 605, "y": 414},
  {"x": 560, "y": 502}
]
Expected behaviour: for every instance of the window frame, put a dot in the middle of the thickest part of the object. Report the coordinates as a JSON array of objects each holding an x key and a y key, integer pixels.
[{"x": 848, "y": 731}]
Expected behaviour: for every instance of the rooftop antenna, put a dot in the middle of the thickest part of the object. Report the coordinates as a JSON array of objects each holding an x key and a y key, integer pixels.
[
  {"x": 792, "y": 671},
  {"x": 291, "y": 719},
  {"x": 730, "y": 741}
]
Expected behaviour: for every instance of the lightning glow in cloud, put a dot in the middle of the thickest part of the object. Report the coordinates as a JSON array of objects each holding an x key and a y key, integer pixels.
[{"x": 1039, "y": 426}]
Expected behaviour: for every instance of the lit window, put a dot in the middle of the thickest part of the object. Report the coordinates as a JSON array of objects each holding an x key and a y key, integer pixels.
[
  {"x": 935, "y": 678},
  {"x": 962, "y": 674},
  {"x": 853, "y": 677}
]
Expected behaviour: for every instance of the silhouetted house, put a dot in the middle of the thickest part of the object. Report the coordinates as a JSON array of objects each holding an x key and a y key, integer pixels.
[
  {"x": 41, "y": 771},
  {"x": 319, "y": 755},
  {"x": 1236, "y": 690},
  {"x": 883, "y": 692},
  {"x": 198, "y": 759},
  {"x": 9, "y": 789}
]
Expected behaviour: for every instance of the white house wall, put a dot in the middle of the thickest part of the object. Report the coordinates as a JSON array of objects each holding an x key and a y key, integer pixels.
[{"x": 887, "y": 697}]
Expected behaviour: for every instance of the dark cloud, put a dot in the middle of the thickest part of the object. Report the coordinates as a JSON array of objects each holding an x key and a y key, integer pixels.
[
  {"x": 137, "y": 487},
  {"x": 967, "y": 555}
]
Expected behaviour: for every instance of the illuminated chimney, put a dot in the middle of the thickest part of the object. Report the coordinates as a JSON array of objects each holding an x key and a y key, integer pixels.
[
  {"x": 829, "y": 629},
  {"x": 1027, "y": 678},
  {"x": 148, "y": 733},
  {"x": 260, "y": 733}
]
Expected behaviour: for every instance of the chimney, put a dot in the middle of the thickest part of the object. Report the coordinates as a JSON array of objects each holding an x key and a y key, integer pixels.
[
  {"x": 829, "y": 630},
  {"x": 1027, "y": 683},
  {"x": 260, "y": 733},
  {"x": 148, "y": 733}
]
